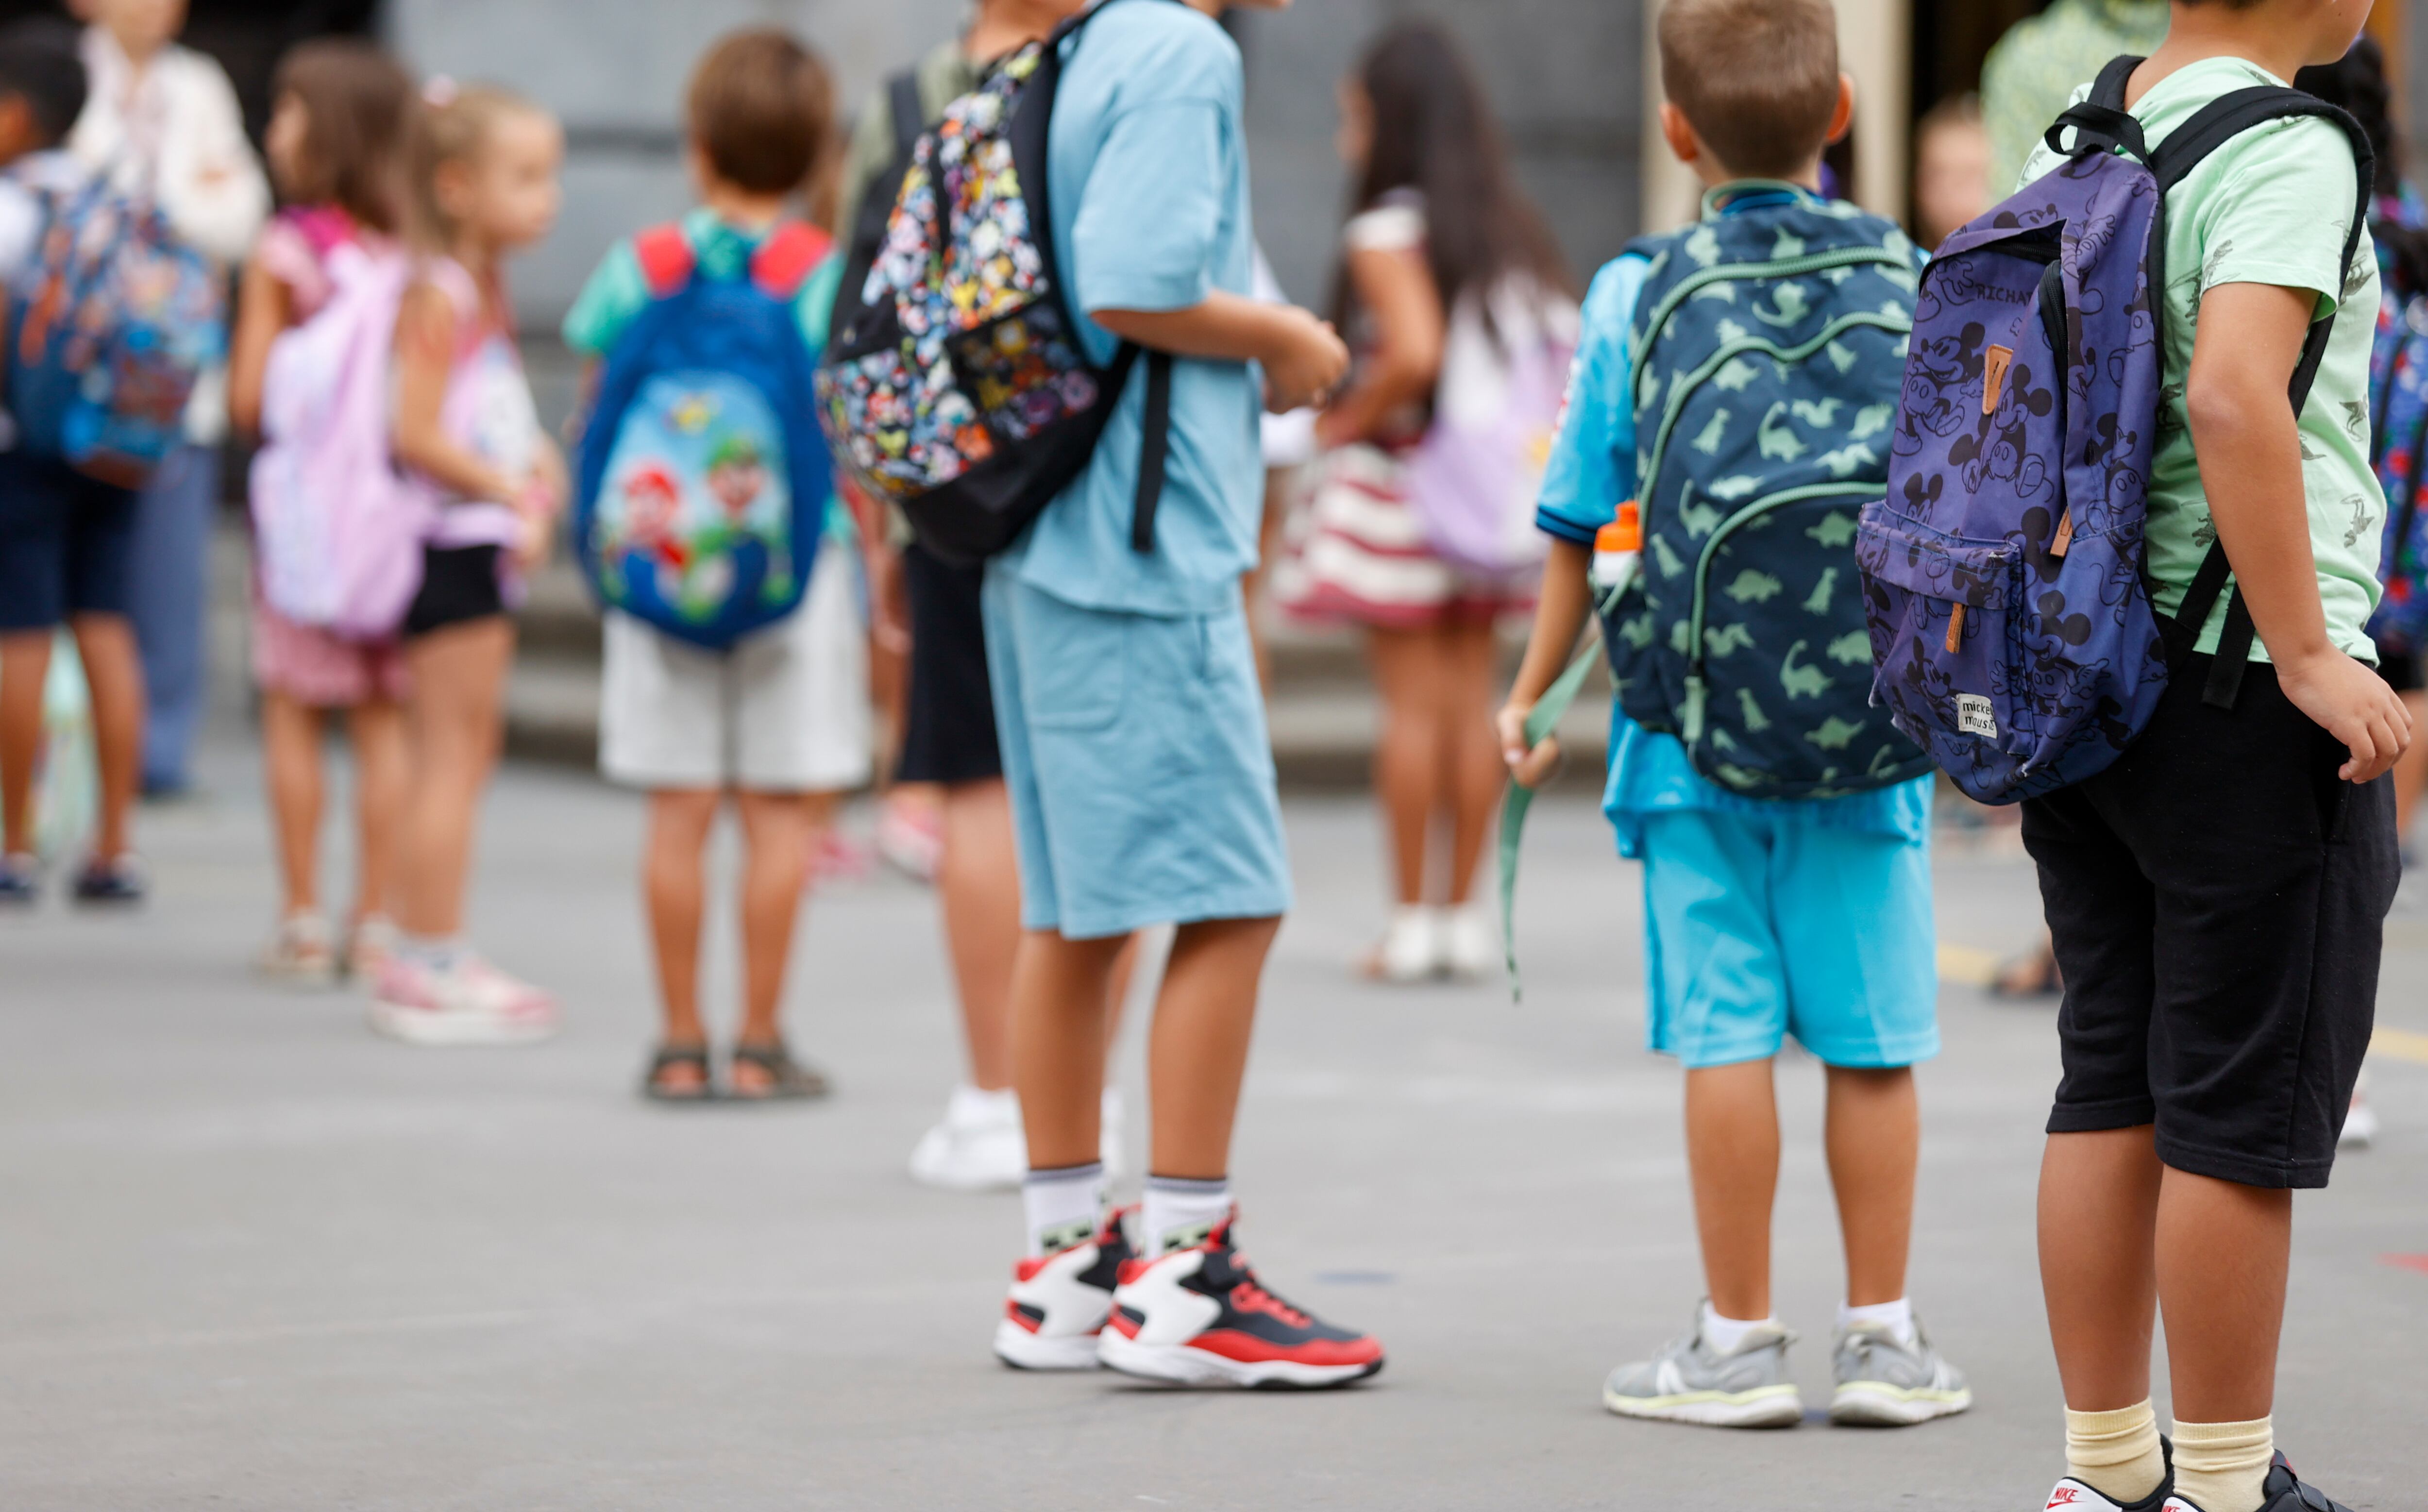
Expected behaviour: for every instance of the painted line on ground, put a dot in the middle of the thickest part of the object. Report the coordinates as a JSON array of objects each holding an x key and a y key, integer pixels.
[{"x": 2399, "y": 1045}]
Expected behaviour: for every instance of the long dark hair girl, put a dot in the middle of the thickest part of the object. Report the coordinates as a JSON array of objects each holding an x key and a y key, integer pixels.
[{"x": 1433, "y": 131}]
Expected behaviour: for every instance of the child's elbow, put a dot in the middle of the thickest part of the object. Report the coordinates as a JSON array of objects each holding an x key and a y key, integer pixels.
[{"x": 2217, "y": 403}]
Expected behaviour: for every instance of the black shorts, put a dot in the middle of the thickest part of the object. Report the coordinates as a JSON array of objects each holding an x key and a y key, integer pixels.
[
  {"x": 949, "y": 733},
  {"x": 2401, "y": 668},
  {"x": 2217, "y": 899},
  {"x": 459, "y": 584},
  {"x": 66, "y": 541}
]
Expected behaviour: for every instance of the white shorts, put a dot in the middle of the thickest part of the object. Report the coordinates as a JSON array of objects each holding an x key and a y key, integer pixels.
[{"x": 782, "y": 710}]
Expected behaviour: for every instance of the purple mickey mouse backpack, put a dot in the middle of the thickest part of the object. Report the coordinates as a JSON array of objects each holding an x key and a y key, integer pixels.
[{"x": 2012, "y": 624}]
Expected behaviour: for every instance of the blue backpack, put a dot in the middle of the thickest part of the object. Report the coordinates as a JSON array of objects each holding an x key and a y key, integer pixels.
[
  {"x": 1768, "y": 343},
  {"x": 110, "y": 329},
  {"x": 702, "y": 483},
  {"x": 2010, "y": 613}
]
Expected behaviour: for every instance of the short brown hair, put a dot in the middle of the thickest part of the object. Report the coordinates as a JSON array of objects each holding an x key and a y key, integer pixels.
[
  {"x": 762, "y": 109},
  {"x": 356, "y": 102},
  {"x": 1757, "y": 79}
]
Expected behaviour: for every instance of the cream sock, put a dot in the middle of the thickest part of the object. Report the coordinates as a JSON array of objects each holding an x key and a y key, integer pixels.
[
  {"x": 2220, "y": 1466},
  {"x": 2116, "y": 1453}
]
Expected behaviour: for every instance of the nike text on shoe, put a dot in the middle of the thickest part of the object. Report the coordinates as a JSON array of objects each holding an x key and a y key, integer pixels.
[
  {"x": 1689, "y": 1382},
  {"x": 2281, "y": 1491},
  {"x": 1886, "y": 1383},
  {"x": 1058, "y": 1302},
  {"x": 1199, "y": 1317}
]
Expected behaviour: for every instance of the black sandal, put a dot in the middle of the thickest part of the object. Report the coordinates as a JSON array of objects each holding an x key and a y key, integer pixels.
[
  {"x": 668, "y": 1057},
  {"x": 787, "y": 1079}
]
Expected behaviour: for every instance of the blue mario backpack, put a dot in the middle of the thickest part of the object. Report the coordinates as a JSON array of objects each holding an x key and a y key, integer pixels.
[{"x": 702, "y": 482}]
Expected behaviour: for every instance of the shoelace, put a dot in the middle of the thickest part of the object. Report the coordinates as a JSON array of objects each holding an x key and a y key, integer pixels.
[{"x": 1250, "y": 1297}]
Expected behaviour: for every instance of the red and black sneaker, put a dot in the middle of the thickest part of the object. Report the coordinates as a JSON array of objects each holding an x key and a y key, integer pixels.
[
  {"x": 1058, "y": 1302},
  {"x": 1199, "y": 1316}
]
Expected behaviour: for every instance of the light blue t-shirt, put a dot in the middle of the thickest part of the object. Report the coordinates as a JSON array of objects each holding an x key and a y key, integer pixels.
[
  {"x": 1147, "y": 177},
  {"x": 1591, "y": 471}
]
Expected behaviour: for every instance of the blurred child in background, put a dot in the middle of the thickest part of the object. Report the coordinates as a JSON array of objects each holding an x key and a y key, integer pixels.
[
  {"x": 1951, "y": 168},
  {"x": 778, "y": 719},
  {"x": 65, "y": 539},
  {"x": 483, "y": 177},
  {"x": 162, "y": 121},
  {"x": 336, "y": 145},
  {"x": 1440, "y": 228}
]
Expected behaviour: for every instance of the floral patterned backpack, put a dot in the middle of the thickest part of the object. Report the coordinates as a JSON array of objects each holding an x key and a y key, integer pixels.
[{"x": 955, "y": 383}]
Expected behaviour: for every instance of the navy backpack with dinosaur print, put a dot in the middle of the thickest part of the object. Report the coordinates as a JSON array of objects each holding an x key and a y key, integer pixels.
[{"x": 1769, "y": 344}]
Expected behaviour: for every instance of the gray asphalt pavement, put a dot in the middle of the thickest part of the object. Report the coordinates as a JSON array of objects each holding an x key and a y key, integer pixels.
[{"x": 253, "y": 1257}]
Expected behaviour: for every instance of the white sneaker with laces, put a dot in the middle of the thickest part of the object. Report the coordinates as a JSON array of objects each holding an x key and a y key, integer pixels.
[
  {"x": 978, "y": 1146},
  {"x": 1471, "y": 942},
  {"x": 1412, "y": 947},
  {"x": 467, "y": 1003}
]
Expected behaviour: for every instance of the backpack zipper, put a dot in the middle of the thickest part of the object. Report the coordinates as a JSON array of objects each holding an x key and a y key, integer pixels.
[
  {"x": 1691, "y": 717},
  {"x": 1811, "y": 262},
  {"x": 1685, "y": 387}
]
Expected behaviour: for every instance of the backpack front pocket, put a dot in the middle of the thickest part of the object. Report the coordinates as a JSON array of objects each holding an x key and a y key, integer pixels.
[{"x": 1946, "y": 635}]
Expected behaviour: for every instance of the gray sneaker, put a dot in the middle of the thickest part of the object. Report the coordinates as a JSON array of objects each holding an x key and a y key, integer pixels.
[
  {"x": 1689, "y": 1382},
  {"x": 1885, "y": 1384}
]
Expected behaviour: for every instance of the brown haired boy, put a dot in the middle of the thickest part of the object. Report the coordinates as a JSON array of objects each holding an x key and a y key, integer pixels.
[{"x": 779, "y": 718}]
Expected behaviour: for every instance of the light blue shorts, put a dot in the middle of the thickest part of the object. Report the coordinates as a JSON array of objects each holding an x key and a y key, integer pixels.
[
  {"x": 1762, "y": 925},
  {"x": 1140, "y": 775}
]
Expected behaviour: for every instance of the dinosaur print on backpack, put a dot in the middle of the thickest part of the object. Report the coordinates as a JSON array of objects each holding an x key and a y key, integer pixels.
[{"x": 1769, "y": 346}]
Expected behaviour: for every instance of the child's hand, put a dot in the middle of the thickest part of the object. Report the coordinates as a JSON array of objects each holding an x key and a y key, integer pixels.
[
  {"x": 1527, "y": 768},
  {"x": 1305, "y": 364},
  {"x": 2350, "y": 701}
]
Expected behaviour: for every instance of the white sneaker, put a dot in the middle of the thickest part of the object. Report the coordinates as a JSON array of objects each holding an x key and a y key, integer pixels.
[
  {"x": 2360, "y": 1121},
  {"x": 301, "y": 952},
  {"x": 1412, "y": 947},
  {"x": 1471, "y": 942},
  {"x": 979, "y": 1146},
  {"x": 469, "y": 1003},
  {"x": 1058, "y": 1303}
]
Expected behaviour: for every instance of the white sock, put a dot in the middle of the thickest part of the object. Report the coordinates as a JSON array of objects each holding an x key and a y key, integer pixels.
[
  {"x": 1064, "y": 1207},
  {"x": 1180, "y": 1213},
  {"x": 1896, "y": 1317},
  {"x": 1724, "y": 1334}
]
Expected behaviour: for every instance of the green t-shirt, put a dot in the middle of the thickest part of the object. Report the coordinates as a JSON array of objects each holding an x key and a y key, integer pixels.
[
  {"x": 2270, "y": 207},
  {"x": 2028, "y": 75}
]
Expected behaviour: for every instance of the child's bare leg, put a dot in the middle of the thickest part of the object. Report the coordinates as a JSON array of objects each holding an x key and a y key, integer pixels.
[
  {"x": 2410, "y": 770},
  {"x": 674, "y": 882},
  {"x": 2098, "y": 1216},
  {"x": 1732, "y": 1155},
  {"x": 778, "y": 830},
  {"x": 382, "y": 774},
  {"x": 1057, "y": 1043},
  {"x": 113, "y": 674},
  {"x": 1197, "y": 1051},
  {"x": 1470, "y": 754},
  {"x": 1407, "y": 757},
  {"x": 290, "y": 750},
  {"x": 978, "y": 883},
  {"x": 2222, "y": 1252},
  {"x": 459, "y": 676},
  {"x": 24, "y": 669},
  {"x": 1874, "y": 1138}
]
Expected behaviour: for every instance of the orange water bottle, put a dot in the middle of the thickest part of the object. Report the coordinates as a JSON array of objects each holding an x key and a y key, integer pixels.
[{"x": 1616, "y": 547}]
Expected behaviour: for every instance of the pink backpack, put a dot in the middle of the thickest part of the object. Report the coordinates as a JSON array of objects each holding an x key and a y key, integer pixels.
[
  {"x": 338, "y": 529},
  {"x": 1473, "y": 480}
]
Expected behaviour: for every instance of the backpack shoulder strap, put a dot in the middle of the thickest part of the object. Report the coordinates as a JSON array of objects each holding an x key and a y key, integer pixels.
[
  {"x": 2215, "y": 124},
  {"x": 909, "y": 116},
  {"x": 665, "y": 257},
  {"x": 786, "y": 260}
]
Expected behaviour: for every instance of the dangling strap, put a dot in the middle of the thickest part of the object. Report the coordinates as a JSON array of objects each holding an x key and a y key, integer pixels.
[
  {"x": 1155, "y": 449},
  {"x": 666, "y": 259}
]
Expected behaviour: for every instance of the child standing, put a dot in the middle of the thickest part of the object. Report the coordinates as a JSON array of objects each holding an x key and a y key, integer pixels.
[
  {"x": 2217, "y": 895},
  {"x": 66, "y": 539},
  {"x": 334, "y": 143},
  {"x": 767, "y": 719},
  {"x": 1132, "y": 729},
  {"x": 1763, "y": 915},
  {"x": 484, "y": 185}
]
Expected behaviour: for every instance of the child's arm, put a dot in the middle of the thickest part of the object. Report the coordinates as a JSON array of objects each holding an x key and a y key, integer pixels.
[
  {"x": 425, "y": 358},
  {"x": 1560, "y": 614},
  {"x": 1303, "y": 357},
  {"x": 2248, "y": 339},
  {"x": 1398, "y": 290},
  {"x": 263, "y": 311}
]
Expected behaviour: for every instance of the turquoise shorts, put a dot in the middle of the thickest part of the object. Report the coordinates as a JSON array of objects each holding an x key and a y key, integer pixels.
[
  {"x": 1760, "y": 926},
  {"x": 1135, "y": 751}
]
